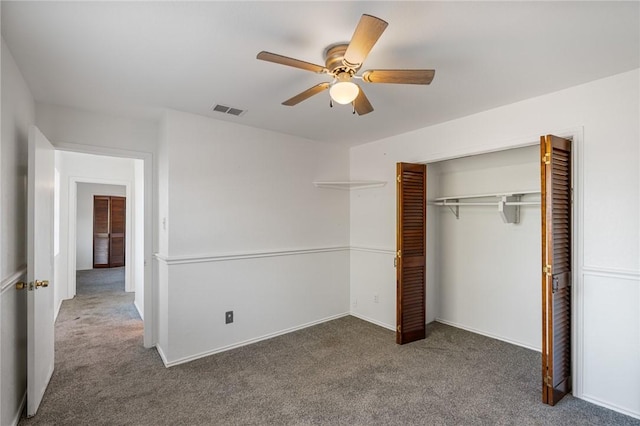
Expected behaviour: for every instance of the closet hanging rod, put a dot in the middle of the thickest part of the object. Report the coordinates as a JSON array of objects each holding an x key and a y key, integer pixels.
[{"x": 522, "y": 203}]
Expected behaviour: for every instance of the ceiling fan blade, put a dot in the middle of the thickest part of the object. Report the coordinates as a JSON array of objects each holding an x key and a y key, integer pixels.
[
  {"x": 361, "y": 104},
  {"x": 285, "y": 60},
  {"x": 399, "y": 76},
  {"x": 306, "y": 94},
  {"x": 367, "y": 32}
]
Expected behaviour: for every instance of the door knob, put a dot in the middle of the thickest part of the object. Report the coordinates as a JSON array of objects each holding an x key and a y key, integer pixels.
[
  {"x": 21, "y": 285},
  {"x": 42, "y": 283}
]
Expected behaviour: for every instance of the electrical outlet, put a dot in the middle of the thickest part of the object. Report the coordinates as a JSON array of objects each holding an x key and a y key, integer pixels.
[
  {"x": 355, "y": 303},
  {"x": 376, "y": 299},
  {"x": 228, "y": 317}
]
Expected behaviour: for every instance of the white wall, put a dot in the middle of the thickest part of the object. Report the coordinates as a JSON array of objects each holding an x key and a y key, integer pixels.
[
  {"x": 488, "y": 270},
  {"x": 605, "y": 114},
  {"x": 247, "y": 231},
  {"x": 64, "y": 125},
  {"x": 18, "y": 113},
  {"x": 84, "y": 219}
]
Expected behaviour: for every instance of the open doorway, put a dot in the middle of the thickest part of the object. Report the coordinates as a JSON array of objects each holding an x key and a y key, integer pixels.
[
  {"x": 81, "y": 177},
  {"x": 101, "y": 220}
]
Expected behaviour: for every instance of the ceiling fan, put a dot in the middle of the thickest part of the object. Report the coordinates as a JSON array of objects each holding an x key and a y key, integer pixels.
[{"x": 343, "y": 61}]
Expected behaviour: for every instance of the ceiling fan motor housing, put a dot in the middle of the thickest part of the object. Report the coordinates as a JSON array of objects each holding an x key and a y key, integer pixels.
[{"x": 334, "y": 60}]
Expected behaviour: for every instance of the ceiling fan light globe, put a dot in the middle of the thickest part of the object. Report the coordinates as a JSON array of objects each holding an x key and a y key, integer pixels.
[{"x": 344, "y": 92}]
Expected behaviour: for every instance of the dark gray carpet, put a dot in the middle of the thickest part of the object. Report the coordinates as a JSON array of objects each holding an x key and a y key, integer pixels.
[{"x": 344, "y": 372}]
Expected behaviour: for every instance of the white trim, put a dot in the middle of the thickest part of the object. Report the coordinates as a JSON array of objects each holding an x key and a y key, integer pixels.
[
  {"x": 614, "y": 407},
  {"x": 577, "y": 261},
  {"x": 10, "y": 281},
  {"x": 483, "y": 333},
  {"x": 223, "y": 257},
  {"x": 373, "y": 250},
  {"x": 247, "y": 342},
  {"x": 373, "y": 321},
  {"x": 618, "y": 273},
  {"x": 151, "y": 212}
]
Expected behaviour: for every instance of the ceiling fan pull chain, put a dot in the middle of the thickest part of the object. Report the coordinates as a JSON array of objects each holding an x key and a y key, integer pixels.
[
  {"x": 330, "y": 103},
  {"x": 353, "y": 105}
]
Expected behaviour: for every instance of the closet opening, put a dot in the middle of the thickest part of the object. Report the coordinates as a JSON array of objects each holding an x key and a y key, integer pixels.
[
  {"x": 491, "y": 251},
  {"x": 109, "y": 229}
]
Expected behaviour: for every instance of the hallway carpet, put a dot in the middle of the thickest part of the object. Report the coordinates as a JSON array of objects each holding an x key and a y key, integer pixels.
[{"x": 343, "y": 372}]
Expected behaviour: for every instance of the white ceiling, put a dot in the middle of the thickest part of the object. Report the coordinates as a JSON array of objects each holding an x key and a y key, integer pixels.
[{"x": 136, "y": 58}]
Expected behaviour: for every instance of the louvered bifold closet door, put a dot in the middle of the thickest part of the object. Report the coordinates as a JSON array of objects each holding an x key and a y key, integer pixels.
[
  {"x": 411, "y": 252},
  {"x": 100, "y": 231},
  {"x": 556, "y": 267},
  {"x": 116, "y": 243}
]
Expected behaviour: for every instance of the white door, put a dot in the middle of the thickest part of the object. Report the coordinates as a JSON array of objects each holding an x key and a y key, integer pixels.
[{"x": 40, "y": 301}]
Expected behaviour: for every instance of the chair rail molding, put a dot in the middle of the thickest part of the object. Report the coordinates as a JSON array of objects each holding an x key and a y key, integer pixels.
[
  {"x": 619, "y": 273},
  {"x": 223, "y": 257},
  {"x": 10, "y": 281}
]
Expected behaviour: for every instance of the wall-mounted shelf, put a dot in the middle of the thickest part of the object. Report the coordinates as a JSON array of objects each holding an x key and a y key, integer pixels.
[
  {"x": 508, "y": 203},
  {"x": 351, "y": 184}
]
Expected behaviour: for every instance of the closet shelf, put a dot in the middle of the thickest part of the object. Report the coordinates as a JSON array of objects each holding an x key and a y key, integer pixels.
[
  {"x": 508, "y": 203},
  {"x": 350, "y": 184},
  {"x": 492, "y": 195}
]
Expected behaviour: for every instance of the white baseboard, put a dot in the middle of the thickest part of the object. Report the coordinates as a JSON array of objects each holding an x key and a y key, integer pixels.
[
  {"x": 484, "y": 333},
  {"x": 245, "y": 342},
  {"x": 162, "y": 355},
  {"x": 596, "y": 401},
  {"x": 373, "y": 321}
]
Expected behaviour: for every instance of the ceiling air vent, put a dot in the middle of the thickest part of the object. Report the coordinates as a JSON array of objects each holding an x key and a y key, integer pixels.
[{"x": 228, "y": 110}]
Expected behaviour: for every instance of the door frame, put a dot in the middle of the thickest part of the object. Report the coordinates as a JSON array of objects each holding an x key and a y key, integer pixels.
[
  {"x": 576, "y": 134},
  {"x": 129, "y": 284},
  {"x": 150, "y": 222}
]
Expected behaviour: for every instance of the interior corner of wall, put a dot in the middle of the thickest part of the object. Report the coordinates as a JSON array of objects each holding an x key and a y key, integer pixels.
[{"x": 163, "y": 357}]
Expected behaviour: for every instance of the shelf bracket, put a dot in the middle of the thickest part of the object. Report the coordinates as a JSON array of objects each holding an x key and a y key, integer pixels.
[
  {"x": 509, "y": 213},
  {"x": 454, "y": 209}
]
